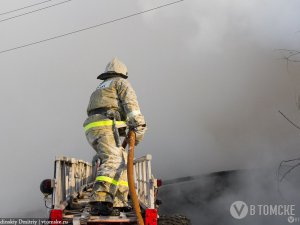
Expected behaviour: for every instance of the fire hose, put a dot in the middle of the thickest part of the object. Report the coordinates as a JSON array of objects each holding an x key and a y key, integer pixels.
[{"x": 130, "y": 176}]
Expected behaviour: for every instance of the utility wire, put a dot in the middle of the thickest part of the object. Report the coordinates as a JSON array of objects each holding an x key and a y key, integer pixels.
[
  {"x": 282, "y": 164},
  {"x": 290, "y": 121},
  {"x": 91, "y": 27},
  {"x": 25, "y": 7},
  {"x": 23, "y": 14},
  {"x": 288, "y": 171}
]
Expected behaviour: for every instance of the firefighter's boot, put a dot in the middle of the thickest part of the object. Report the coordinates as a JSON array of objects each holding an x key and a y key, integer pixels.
[{"x": 101, "y": 208}]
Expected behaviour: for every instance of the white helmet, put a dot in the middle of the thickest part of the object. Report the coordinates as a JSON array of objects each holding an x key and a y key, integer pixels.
[{"x": 115, "y": 66}]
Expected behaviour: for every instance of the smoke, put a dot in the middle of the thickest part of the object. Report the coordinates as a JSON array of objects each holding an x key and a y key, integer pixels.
[
  {"x": 208, "y": 200},
  {"x": 206, "y": 75}
]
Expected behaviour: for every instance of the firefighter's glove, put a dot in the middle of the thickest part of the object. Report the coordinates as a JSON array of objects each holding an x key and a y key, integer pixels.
[
  {"x": 95, "y": 159},
  {"x": 139, "y": 133}
]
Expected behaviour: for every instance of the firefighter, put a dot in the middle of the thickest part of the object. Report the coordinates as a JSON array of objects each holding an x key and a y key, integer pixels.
[{"x": 113, "y": 106}]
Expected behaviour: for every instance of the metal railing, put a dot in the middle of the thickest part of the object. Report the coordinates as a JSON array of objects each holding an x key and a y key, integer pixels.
[
  {"x": 71, "y": 175},
  {"x": 144, "y": 181}
]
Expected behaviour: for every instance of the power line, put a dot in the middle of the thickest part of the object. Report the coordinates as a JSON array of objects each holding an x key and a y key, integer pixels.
[
  {"x": 23, "y": 14},
  {"x": 290, "y": 121},
  {"x": 91, "y": 27},
  {"x": 25, "y": 7}
]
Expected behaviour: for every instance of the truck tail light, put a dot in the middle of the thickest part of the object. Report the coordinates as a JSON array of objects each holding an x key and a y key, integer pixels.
[
  {"x": 151, "y": 217},
  {"x": 56, "y": 216},
  {"x": 159, "y": 182}
]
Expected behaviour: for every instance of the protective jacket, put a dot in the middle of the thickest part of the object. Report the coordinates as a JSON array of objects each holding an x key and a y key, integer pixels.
[{"x": 117, "y": 95}]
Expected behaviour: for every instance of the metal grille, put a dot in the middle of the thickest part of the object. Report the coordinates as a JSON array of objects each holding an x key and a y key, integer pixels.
[
  {"x": 71, "y": 175},
  {"x": 144, "y": 181}
]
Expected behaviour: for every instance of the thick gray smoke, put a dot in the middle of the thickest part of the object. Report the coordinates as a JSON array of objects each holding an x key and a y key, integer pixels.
[
  {"x": 208, "y": 199},
  {"x": 207, "y": 78}
]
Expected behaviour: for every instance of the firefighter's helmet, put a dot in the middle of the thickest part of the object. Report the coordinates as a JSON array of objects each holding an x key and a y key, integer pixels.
[{"x": 114, "y": 67}]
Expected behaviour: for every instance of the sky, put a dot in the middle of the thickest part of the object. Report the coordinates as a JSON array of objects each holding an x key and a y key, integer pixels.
[{"x": 207, "y": 74}]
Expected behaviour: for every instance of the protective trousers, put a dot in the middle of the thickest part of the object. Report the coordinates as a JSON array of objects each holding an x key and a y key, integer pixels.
[{"x": 111, "y": 180}]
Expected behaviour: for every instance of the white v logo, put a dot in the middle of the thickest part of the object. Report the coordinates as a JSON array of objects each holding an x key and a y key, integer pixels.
[{"x": 239, "y": 211}]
